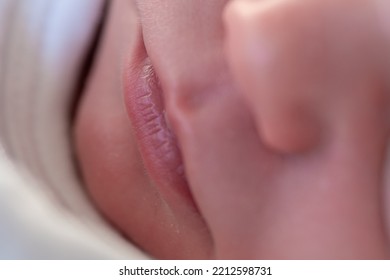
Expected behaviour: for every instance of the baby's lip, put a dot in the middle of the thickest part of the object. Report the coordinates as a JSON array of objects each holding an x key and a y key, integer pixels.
[{"x": 144, "y": 103}]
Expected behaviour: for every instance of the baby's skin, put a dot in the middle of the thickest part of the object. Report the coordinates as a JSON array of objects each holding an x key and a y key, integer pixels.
[{"x": 279, "y": 111}]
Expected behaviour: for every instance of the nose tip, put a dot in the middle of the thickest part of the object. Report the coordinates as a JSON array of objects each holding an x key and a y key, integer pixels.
[{"x": 262, "y": 62}]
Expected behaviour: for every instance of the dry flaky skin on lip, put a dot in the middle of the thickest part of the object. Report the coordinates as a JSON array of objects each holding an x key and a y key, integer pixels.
[{"x": 145, "y": 104}]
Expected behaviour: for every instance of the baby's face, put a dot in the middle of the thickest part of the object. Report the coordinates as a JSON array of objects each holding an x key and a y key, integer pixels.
[{"x": 199, "y": 138}]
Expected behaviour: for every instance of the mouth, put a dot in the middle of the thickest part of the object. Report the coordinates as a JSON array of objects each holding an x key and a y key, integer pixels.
[{"x": 144, "y": 102}]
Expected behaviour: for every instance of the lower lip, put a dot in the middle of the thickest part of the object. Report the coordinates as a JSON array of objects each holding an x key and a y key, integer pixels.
[{"x": 158, "y": 147}]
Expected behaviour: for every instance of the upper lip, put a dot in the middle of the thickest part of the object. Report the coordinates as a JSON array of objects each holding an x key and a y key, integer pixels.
[{"x": 144, "y": 103}]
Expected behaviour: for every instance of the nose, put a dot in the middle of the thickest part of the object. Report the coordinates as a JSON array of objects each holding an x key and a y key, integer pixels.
[{"x": 259, "y": 203}]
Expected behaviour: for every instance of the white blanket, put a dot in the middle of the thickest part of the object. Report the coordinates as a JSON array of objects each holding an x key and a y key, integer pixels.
[{"x": 44, "y": 211}]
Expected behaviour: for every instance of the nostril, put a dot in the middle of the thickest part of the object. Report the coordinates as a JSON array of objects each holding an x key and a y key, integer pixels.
[
  {"x": 188, "y": 97},
  {"x": 182, "y": 102}
]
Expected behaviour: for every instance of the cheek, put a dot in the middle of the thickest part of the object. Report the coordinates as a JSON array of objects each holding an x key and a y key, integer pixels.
[{"x": 111, "y": 167}]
